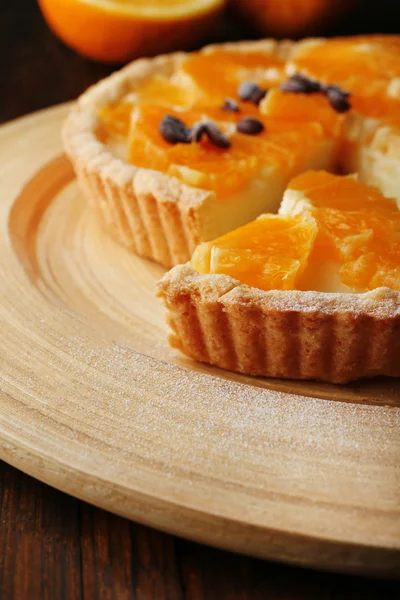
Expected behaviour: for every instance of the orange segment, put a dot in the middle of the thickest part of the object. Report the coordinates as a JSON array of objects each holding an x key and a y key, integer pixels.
[
  {"x": 119, "y": 30},
  {"x": 358, "y": 228},
  {"x": 163, "y": 90},
  {"x": 302, "y": 107},
  {"x": 348, "y": 61},
  {"x": 115, "y": 119},
  {"x": 310, "y": 180},
  {"x": 364, "y": 66},
  {"x": 219, "y": 74},
  {"x": 269, "y": 253}
]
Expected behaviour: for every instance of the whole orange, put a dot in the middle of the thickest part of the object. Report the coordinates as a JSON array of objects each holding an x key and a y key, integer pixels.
[{"x": 290, "y": 17}]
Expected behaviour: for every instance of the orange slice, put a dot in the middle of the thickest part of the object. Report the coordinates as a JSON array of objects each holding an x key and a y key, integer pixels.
[
  {"x": 119, "y": 30},
  {"x": 269, "y": 253}
]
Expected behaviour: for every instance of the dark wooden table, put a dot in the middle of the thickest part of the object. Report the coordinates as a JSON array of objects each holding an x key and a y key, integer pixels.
[{"x": 55, "y": 547}]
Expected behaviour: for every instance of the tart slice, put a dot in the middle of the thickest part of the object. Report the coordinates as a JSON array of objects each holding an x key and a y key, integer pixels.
[{"x": 311, "y": 293}]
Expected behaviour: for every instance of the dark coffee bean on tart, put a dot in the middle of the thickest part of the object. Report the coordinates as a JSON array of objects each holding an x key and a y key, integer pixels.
[
  {"x": 215, "y": 135},
  {"x": 230, "y": 105},
  {"x": 249, "y": 126},
  {"x": 251, "y": 92},
  {"x": 197, "y": 131},
  {"x": 300, "y": 84},
  {"x": 338, "y": 98},
  {"x": 174, "y": 130}
]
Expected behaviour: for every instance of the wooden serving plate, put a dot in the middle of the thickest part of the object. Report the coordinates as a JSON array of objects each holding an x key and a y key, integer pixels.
[{"x": 94, "y": 402}]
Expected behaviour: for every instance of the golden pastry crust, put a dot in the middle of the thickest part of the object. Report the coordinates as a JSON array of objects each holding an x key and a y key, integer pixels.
[
  {"x": 155, "y": 215},
  {"x": 290, "y": 334}
]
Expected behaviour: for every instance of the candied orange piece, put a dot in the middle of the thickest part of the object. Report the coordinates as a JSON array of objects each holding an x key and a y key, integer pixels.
[{"x": 269, "y": 253}]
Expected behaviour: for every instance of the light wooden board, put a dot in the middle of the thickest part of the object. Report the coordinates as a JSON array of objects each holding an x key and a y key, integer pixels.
[{"x": 94, "y": 402}]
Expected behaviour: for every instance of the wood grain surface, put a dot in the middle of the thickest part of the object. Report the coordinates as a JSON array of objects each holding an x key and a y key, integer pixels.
[
  {"x": 53, "y": 546},
  {"x": 95, "y": 402}
]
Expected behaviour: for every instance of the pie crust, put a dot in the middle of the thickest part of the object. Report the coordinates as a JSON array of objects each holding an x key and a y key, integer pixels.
[{"x": 289, "y": 334}]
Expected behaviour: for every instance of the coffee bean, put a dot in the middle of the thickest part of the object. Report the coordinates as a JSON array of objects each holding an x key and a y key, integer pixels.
[
  {"x": 208, "y": 128},
  {"x": 335, "y": 88},
  {"x": 300, "y": 84},
  {"x": 338, "y": 98},
  {"x": 249, "y": 126},
  {"x": 216, "y": 136},
  {"x": 174, "y": 130},
  {"x": 251, "y": 92},
  {"x": 230, "y": 105},
  {"x": 197, "y": 131}
]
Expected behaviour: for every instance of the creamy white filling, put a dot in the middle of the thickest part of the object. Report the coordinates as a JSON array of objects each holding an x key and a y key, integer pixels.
[{"x": 263, "y": 194}]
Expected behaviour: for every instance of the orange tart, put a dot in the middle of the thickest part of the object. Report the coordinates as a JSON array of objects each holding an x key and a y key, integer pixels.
[
  {"x": 161, "y": 197},
  {"x": 191, "y": 154},
  {"x": 312, "y": 293}
]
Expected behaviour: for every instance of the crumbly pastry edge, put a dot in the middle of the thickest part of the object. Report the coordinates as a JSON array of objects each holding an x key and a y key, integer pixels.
[
  {"x": 286, "y": 334},
  {"x": 153, "y": 214}
]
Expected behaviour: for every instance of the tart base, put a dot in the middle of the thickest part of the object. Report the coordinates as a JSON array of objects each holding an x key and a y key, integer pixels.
[{"x": 335, "y": 338}]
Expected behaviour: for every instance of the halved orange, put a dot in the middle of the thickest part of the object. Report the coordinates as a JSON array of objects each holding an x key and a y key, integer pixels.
[{"x": 119, "y": 30}]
